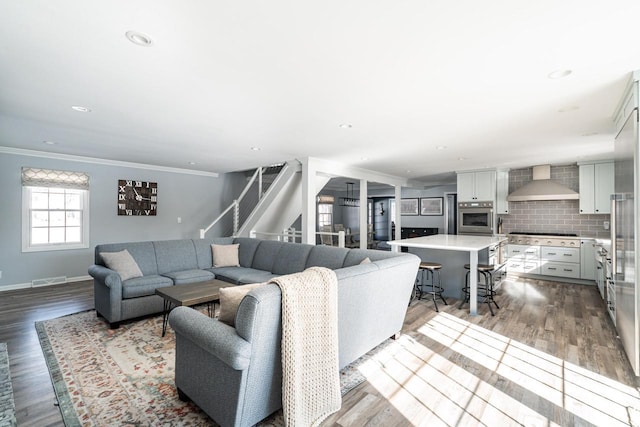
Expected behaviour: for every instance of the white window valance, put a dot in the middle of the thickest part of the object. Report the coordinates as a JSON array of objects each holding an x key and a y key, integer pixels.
[{"x": 35, "y": 177}]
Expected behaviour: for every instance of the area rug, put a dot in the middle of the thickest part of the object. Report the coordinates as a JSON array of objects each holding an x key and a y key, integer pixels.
[
  {"x": 7, "y": 405},
  {"x": 125, "y": 376}
]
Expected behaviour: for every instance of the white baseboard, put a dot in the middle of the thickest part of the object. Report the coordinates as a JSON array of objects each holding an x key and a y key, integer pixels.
[{"x": 28, "y": 285}]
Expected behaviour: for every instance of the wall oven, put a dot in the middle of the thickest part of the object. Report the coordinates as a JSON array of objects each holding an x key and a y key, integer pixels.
[{"x": 475, "y": 218}]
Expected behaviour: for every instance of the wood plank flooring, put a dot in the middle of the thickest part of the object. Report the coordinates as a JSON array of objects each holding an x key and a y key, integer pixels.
[{"x": 549, "y": 357}]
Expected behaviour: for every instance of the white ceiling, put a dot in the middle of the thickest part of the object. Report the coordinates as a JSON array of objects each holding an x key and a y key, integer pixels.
[{"x": 409, "y": 76}]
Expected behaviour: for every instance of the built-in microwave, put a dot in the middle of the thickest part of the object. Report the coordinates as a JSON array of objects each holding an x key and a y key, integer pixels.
[{"x": 475, "y": 218}]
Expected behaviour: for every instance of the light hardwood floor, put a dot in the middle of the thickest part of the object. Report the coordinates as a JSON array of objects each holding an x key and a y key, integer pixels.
[{"x": 549, "y": 357}]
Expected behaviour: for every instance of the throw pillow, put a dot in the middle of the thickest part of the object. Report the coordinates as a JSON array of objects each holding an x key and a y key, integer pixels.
[
  {"x": 365, "y": 261},
  {"x": 230, "y": 299},
  {"x": 225, "y": 255},
  {"x": 123, "y": 263}
]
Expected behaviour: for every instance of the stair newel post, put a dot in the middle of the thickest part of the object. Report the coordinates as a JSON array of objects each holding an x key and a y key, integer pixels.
[
  {"x": 236, "y": 216},
  {"x": 341, "y": 238}
]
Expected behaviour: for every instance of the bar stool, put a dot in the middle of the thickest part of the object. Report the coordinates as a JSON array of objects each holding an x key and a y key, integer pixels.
[
  {"x": 485, "y": 290},
  {"x": 426, "y": 272}
]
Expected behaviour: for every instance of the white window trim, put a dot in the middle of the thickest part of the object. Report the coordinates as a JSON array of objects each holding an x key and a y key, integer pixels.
[{"x": 26, "y": 227}]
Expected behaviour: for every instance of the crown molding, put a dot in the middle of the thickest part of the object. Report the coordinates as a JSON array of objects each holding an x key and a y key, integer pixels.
[{"x": 94, "y": 160}]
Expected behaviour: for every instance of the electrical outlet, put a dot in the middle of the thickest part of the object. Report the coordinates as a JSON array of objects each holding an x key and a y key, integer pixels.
[
  {"x": 606, "y": 225},
  {"x": 179, "y": 220}
]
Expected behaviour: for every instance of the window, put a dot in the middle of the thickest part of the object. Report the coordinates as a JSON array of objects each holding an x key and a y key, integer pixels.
[
  {"x": 54, "y": 218},
  {"x": 392, "y": 210},
  {"x": 325, "y": 214}
]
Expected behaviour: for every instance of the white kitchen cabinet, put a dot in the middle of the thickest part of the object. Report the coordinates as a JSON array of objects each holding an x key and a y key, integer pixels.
[
  {"x": 544, "y": 260},
  {"x": 588, "y": 270},
  {"x": 596, "y": 186},
  {"x": 502, "y": 191},
  {"x": 523, "y": 259},
  {"x": 560, "y": 261},
  {"x": 558, "y": 254},
  {"x": 477, "y": 186},
  {"x": 560, "y": 269}
]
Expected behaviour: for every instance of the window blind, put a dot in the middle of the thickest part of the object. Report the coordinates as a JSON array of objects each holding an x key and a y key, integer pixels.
[
  {"x": 325, "y": 198},
  {"x": 34, "y": 177}
]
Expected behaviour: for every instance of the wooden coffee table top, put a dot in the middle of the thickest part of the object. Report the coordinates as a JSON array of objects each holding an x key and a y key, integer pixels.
[{"x": 193, "y": 293}]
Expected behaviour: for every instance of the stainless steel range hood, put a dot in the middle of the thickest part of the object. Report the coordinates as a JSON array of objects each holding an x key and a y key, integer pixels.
[{"x": 542, "y": 188}]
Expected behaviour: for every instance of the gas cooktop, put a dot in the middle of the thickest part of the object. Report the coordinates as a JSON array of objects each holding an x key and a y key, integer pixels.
[
  {"x": 544, "y": 239},
  {"x": 529, "y": 233}
]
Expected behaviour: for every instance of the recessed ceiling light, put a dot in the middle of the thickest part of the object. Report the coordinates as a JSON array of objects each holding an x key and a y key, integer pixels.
[
  {"x": 569, "y": 108},
  {"x": 346, "y": 125},
  {"x": 441, "y": 147},
  {"x": 49, "y": 142},
  {"x": 256, "y": 148},
  {"x": 559, "y": 74},
  {"x": 590, "y": 134},
  {"x": 364, "y": 158},
  {"x": 81, "y": 108},
  {"x": 192, "y": 163},
  {"x": 462, "y": 158},
  {"x": 141, "y": 39},
  {"x": 408, "y": 170}
]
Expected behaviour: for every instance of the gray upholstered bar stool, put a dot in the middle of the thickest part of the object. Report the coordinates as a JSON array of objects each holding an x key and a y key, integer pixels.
[
  {"x": 426, "y": 282},
  {"x": 485, "y": 290}
]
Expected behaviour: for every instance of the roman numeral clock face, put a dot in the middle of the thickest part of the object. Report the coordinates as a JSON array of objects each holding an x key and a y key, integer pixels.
[{"x": 137, "y": 198}]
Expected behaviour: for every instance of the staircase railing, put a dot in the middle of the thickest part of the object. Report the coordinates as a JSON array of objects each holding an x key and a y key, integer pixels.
[
  {"x": 292, "y": 235},
  {"x": 236, "y": 204}
]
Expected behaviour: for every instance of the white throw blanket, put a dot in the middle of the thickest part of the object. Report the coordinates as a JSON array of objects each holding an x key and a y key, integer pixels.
[{"x": 310, "y": 375}]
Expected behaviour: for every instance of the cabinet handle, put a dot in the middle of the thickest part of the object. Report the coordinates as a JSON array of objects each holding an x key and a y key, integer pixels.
[
  {"x": 568, "y": 269},
  {"x": 551, "y": 268},
  {"x": 551, "y": 253},
  {"x": 567, "y": 254}
]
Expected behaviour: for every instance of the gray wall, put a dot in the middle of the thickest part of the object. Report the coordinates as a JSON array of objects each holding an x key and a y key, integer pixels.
[
  {"x": 555, "y": 216},
  {"x": 427, "y": 221},
  {"x": 350, "y": 215},
  {"x": 196, "y": 199}
]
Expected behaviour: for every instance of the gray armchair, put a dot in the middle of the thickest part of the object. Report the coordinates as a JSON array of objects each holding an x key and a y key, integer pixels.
[{"x": 232, "y": 374}]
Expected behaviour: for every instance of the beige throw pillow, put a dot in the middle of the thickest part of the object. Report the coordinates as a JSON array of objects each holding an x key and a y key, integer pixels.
[
  {"x": 123, "y": 263},
  {"x": 230, "y": 299},
  {"x": 225, "y": 255}
]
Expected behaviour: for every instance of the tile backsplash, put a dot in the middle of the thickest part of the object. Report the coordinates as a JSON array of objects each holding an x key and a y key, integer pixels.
[{"x": 551, "y": 216}]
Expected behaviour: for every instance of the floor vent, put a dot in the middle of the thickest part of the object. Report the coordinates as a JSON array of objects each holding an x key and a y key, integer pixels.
[{"x": 49, "y": 281}]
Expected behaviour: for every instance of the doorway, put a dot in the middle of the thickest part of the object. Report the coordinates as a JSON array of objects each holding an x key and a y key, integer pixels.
[{"x": 451, "y": 213}]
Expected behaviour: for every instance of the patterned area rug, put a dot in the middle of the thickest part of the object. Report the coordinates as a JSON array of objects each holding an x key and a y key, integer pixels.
[
  {"x": 7, "y": 405},
  {"x": 125, "y": 376}
]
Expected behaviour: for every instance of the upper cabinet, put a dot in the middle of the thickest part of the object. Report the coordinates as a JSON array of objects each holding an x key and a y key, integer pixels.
[
  {"x": 473, "y": 186},
  {"x": 502, "y": 191},
  {"x": 596, "y": 187}
]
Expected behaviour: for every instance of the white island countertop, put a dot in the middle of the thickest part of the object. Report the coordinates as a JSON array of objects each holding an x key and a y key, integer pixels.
[{"x": 452, "y": 242}]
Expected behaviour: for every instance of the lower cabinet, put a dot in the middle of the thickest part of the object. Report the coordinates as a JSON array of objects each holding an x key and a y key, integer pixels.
[
  {"x": 561, "y": 262},
  {"x": 523, "y": 259},
  {"x": 544, "y": 260}
]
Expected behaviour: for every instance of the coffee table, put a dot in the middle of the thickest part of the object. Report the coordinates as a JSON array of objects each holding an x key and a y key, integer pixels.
[{"x": 189, "y": 295}]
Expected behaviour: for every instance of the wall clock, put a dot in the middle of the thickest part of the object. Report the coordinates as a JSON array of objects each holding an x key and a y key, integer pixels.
[{"x": 137, "y": 198}]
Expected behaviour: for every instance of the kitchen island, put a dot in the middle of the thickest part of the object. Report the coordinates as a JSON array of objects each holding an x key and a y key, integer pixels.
[{"x": 443, "y": 248}]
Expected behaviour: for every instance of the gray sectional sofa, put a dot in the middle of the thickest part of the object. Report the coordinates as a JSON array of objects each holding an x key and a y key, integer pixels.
[
  {"x": 234, "y": 373},
  {"x": 175, "y": 262}
]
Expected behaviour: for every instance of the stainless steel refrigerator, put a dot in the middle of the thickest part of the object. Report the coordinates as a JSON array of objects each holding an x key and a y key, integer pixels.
[{"x": 623, "y": 238}]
